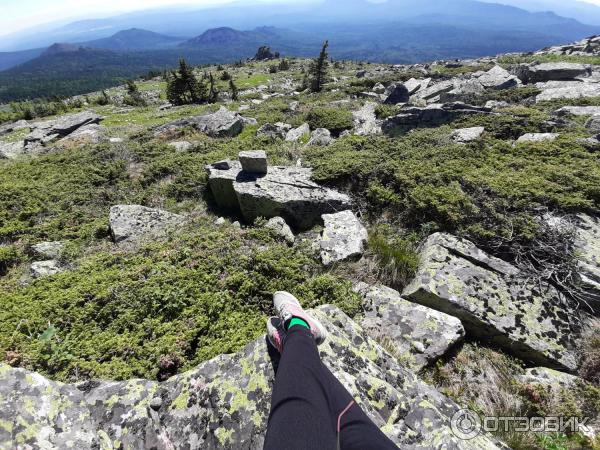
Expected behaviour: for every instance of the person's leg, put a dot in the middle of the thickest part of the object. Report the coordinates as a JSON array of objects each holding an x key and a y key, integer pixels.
[{"x": 309, "y": 405}]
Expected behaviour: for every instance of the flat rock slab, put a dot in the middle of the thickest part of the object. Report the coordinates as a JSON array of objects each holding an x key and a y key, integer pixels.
[
  {"x": 431, "y": 116},
  {"x": 587, "y": 248},
  {"x": 538, "y": 137},
  {"x": 344, "y": 237},
  {"x": 365, "y": 120},
  {"x": 496, "y": 303},
  {"x": 130, "y": 223},
  {"x": 254, "y": 161},
  {"x": 41, "y": 269},
  {"x": 223, "y": 123},
  {"x": 578, "y": 111},
  {"x": 286, "y": 192},
  {"x": 418, "y": 335},
  {"x": 224, "y": 403},
  {"x": 49, "y": 250},
  {"x": 556, "y": 90},
  {"x": 498, "y": 78},
  {"x": 535, "y": 73},
  {"x": 45, "y": 132}
]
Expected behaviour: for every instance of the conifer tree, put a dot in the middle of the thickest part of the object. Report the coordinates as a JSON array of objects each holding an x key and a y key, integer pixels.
[
  {"x": 134, "y": 96},
  {"x": 234, "y": 90},
  {"x": 318, "y": 70},
  {"x": 184, "y": 88}
]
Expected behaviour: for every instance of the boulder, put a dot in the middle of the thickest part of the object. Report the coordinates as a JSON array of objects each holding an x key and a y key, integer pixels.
[
  {"x": 418, "y": 335},
  {"x": 344, "y": 237},
  {"x": 538, "y": 137},
  {"x": 463, "y": 90},
  {"x": 430, "y": 116},
  {"x": 129, "y": 223},
  {"x": 287, "y": 192},
  {"x": 413, "y": 85},
  {"x": 44, "y": 133},
  {"x": 223, "y": 123},
  {"x": 48, "y": 250},
  {"x": 281, "y": 229},
  {"x": 556, "y": 90},
  {"x": 497, "y": 303},
  {"x": 365, "y": 120},
  {"x": 498, "y": 78},
  {"x": 593, "y": 125},
  {"x": 464, "y": 135},
  {"x": 321, "y": 136},
  {"x": 578, "y": 111},
  {"x": 397, "y": 93},
  {"x": 277, "y": 130},
  {"x": 379, "y": 88},
  {"x": 224, "y": 403},
  {"x": 12, "y": 150},
  {"x": 295, "y": 134},
  {"x": 67, "y": 124},
  {"x": 493, "y": 104},
  {"x": 41, "y": 269},
  {"x": 13, "y": 126},
  {"x": 431, "y": 94},
  {"x": 555, "y": 71},
  {"x": 254, "y": 162}
]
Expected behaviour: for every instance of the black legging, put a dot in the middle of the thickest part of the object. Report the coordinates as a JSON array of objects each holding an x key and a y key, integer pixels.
[{"x": 309, "y": 402}]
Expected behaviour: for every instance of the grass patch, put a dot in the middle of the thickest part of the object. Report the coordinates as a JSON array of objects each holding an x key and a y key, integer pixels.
[{"x": 526, "y": 59}]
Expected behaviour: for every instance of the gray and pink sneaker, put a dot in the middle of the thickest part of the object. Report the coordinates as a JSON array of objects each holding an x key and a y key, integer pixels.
[
  {"x": 275, "y": 333},
  {"x": 287, "y": 307}
]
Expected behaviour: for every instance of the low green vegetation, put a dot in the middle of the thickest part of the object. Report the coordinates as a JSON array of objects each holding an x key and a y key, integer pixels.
[
  {"x": 523, "y": 59},
  {"x": 335, "y": 120}
]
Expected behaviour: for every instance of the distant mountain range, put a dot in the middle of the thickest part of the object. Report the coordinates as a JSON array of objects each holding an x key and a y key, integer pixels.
[{"x": 397, "y": 31}]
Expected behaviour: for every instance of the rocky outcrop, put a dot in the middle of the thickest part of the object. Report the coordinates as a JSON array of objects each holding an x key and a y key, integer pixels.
[
  {"x": 223, "y": 403},
  {"x": 344, "y": 237},
  {"x": 496, "y": 302},
  {"x": 418, "y": 336},
  {"x": 548, "y": 378},
  {"x": 587, "y": 249},
  {"x": 223, "y": 123},
  {"x": 286, "y": 192},
  {"x": 578, "y": 111},
  {"x": 431, "y": 94},
  {"x": 430, "y": 116},
  {"x": 555, "y": 71},
  {"x": 588, "y": 46},
  {"x": 130, "y": 223},
  {"x": 413, "y": 85},
  {"x": 464, "y": 135},
  {"x": 365, "y": 120}
]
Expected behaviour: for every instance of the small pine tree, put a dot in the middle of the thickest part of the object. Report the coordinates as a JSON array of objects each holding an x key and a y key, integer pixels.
[
  {"x": 273, "y": 69},
  {"x": 225, "y": 76},
  {"x": 213, "y": 92},
  {"x": 318, "y": 70},
  {"x": 234, "y": 91},
  {"x": 134, "y": 96},
  {"x": 184, "y": 88},
  {"x": 284, "y": 64}
]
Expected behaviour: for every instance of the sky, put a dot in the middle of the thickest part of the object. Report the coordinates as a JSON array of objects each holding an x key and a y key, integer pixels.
[{"x": 21, "y": 14}]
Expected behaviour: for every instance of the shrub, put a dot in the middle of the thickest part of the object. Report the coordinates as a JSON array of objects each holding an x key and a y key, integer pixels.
[{"x": 334, "y": 119}]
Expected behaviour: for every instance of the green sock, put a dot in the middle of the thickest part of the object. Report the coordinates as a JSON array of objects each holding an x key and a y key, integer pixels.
[{"x": 295, "y": 321}]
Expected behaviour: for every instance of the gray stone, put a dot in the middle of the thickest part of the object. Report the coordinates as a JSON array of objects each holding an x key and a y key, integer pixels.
[
  {"x": 430, "y": 116},
  {"x": 181, "y": 146},
  {"x": 287, "y": 192},
  {"x": 223, "y": 123},
  {"x": 277, "y": 130},
  {"x": 13, "y": 126},
  {"x": 254, "y": 161},
  {"x": 129, "y": 223},
  {"x": 397, "y": 93},
  {"x": 556, "y": 90},
  {"x": 432, "y": 93},
  {"x": 555, "y": 71},
  {"x": 379, "y": 88},
  {"x": 463, "y": 90},
  {"x": 344, "y": 237},
  {"x": 281, "y": 229},
  {"x": 222, "y": 165},
  {"x": 365, "y": 120},
  {"x": 418, "y": 335},
  {"x": 12, "y": 150},
  {"x": 220, "y": 221},
  {"x": 498, "y": 78},
  {"x": 493, "y": 104},
  {"x": 295, "y": 134},
  {"x": 587, "y": 249},
  {"x": 321, "y": 136},
  {"x": 578, "y": 111},
  {"x": 497, "y": 303},
  {"x": 48, "y": 250},
  {"x": 538, "y": 137},
  {"x": 224, "y": 403},
  {"x": 413, "y": 85},
  {"x": 41, "y": 269},
  {"x": 463, "y": 135}
]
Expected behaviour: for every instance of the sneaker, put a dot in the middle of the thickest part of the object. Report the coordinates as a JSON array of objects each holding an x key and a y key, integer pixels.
[
  {"x": 287, "y": 306},
  {"x": 275, "y": 333}
]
